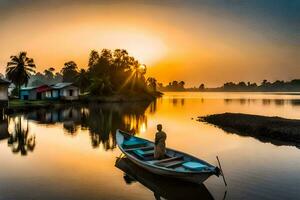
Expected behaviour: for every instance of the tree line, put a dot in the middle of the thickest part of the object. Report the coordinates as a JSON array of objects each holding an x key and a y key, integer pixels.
[
  {"x": 108, "y": 72},
  {"x": 264, "y": 86},
  {"x": 172, "y": 86}
]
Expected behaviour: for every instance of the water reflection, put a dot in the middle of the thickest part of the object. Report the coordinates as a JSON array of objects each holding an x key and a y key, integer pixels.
[
  {"x": 161, "y": 187},
  {"x": 265, "y": 102},
  {"x": 101, "y": 120},
  {"x": 177, "y": 101},
  {"x": 20, "y": 140},
  {"x": 153, "y": 106},
  {"x": 3, "y": 126},
  {"x": 295, "y": 102}
]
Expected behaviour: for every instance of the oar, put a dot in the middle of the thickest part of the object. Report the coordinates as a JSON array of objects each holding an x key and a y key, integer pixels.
[
  {"x": 224, "y": 197},
  {"x": 120, "y": 157},
  {"x": 221, "y": 171}
]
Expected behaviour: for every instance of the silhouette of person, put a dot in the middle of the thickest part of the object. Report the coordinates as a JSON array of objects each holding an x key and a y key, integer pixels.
[{"x": 160, "y": 143}]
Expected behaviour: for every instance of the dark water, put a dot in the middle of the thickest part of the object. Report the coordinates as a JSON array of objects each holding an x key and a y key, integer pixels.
[{"x": 70, "y": 152}]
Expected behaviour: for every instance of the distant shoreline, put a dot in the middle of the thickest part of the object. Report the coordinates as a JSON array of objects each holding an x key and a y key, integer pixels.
[
  {"x": 209, "y": 91},
  {"x": 276, "y": 130},
  {"x": 265, "y": 86}
]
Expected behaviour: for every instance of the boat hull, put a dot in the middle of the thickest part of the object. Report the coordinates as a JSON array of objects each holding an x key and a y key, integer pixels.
[{"x": 193, "y": 177}]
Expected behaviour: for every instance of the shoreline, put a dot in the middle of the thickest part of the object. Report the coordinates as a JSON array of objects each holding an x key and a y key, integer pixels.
[
  {"x": 275, "y": 130},
  {"x": 17, "y": 105}
]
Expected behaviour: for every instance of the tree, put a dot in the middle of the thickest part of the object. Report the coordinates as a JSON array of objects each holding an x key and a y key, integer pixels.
[
  {"x": 138, "y": 81},
  {"x": 94, "y": 58},
  {"x": 160, "y": 86},
  {"x": 82, "y": 80},
  {"x": 69, "y": 71},
  {"x": 58, "y": 77},
  {"x": 152, "y": 83},
  {"x": 201, "y": 87},
  {"x": 49, "y": 74},
  {"x": 242, "y": 84},
  {"x": 99, "y": 66},
  {"x": 121, "y": 71},
  {"x": 181, "y": 84},
  {"x": 100, "y": 86},
  {"x": 19, "y": 69}
]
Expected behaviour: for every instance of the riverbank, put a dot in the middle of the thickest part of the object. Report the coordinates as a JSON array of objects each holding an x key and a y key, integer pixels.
[
  {"x": 266, "y": 129},
  {"x": 128, "y": 97},
  {"x": 22, "y": 105}
]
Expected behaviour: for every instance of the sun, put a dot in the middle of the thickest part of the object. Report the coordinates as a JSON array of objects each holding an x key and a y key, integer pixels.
[
  {"x": 142, "y": 67},
  {"x": 144, "y": 46}
]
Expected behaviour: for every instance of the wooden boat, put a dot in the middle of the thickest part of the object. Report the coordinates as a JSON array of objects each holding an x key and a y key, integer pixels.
[
  {"x": 162, "y": 187},
  {"x": 176, "y": 164}
]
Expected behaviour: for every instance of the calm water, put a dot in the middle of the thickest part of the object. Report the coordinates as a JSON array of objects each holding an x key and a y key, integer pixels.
[{"x": 70, "y": 153}]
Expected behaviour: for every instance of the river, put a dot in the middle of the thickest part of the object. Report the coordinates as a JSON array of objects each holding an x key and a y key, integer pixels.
[{"x": 70, "y": 152}]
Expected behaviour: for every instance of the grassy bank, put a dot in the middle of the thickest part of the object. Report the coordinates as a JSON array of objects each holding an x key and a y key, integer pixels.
[
  {"x": 17, "y": 105},
  {"x": 266, "y": 129},
  {"x": 20, "y": 105}
]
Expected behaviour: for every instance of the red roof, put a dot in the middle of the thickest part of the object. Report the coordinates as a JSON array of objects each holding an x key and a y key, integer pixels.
[{"x": 43, "y": 88}]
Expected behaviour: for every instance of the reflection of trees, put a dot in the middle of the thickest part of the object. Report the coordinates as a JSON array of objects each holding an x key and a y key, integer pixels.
[
  {"x": 182, "y": 101},
  {"x": 102, "y": 120},
  {"x": 279, "y": 102},
  {"x": 135, "y": 123},
  {"x": 265, "y": 102},
  {"x": 175, "y": 101},
  {"x": 295, "y": 102},
  {"x": 20, "y": 140},
  {"x": 242, "y": 101},
  {"x": 153, "y": 106}
]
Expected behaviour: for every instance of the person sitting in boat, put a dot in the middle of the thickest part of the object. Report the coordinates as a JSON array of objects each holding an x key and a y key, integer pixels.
[{"x": 160, "y": 143}]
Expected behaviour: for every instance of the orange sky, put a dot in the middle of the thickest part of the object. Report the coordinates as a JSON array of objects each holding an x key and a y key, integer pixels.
[{"x": 196, "y": 44}]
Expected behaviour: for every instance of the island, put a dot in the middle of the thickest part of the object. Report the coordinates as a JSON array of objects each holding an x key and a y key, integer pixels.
[{"x": 275, "y": 130}]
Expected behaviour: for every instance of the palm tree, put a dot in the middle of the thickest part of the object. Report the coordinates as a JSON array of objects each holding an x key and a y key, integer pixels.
[{"x": 19, "y": 68}]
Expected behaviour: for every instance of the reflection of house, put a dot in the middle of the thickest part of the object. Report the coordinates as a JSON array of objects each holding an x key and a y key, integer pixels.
[
  {"x": 4, "y": 91},
  {"x": 70, "y": 117},
  {"x": 53, "y": 116},
  {"x": 65, "y": 91}
]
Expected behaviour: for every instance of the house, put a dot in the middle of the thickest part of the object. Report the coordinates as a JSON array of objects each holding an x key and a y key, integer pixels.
[
  {"x": 4, "y": 92},
  {"x": 34, "y": 93},
  {"x": 63, "y": 91}
]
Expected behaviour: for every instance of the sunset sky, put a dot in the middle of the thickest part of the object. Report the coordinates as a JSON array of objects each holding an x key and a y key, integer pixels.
[{"x": 198, "y": 41}]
